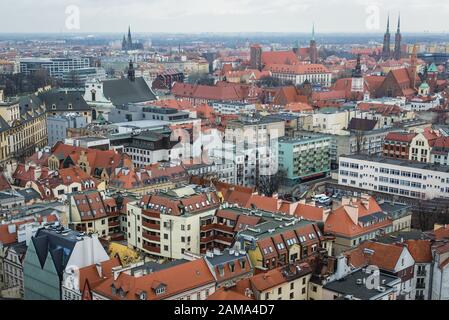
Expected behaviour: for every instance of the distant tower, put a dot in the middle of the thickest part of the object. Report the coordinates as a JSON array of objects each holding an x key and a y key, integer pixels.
[
  {"x": 397, "y": 42},
  {"x": 414, "y": 67},
  {"x": 131, "y": 72},
  {"x": 130, "y": 39},
  {"x": 432, "y": 77},
  {"x": 386, "y": 54},
  {"x": 256, "y": 57},
  {"x": 124, "y": 43},
  {"x": 313, "y": 48},
  {"x": 357, "y": 77}
]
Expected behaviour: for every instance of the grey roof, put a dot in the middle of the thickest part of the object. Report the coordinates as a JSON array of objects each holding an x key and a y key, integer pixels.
[
  {"x": 403, "y": 235},
  {"x": 151, "y": 267},
  {"x": 3, "y": 125},
  {"x": 20, "y": 248},
  {"x": 62, "y": 99},
  {"x": 124, "y": 91},
  {"x": 399, "y": 162},
  {"x": 29, "y": 194},
  {"x": 224, "y": 257},
  {"x": 272, "y": 224},
  {"x": 362, "y": 124},
  {"x": 349, "y": 286},
  {"x": 58, "y": 242}
]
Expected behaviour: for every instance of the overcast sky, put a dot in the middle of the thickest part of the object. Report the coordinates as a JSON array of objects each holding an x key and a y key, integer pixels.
[{"x": 221, "y": 15}]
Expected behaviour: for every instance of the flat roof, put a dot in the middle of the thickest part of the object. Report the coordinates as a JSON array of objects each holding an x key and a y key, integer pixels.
[
  {"x": 399, "y": 162},
  {"x": 349, "y": 286}
]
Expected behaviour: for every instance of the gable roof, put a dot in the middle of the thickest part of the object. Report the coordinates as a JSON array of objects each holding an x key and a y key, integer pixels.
[
  {"x": 175, "y": 280},
  {"x": 357, "y": 124},
  {"x": 124, "y": 91},
  {"x": 279, "y": 57},
  {"x": 421, "y": 250},
  {"x": 385, "y": 256}
]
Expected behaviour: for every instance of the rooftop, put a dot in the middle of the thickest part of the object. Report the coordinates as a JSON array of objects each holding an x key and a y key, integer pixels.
[
  {"x": 353, "y": 285},
  {"x": 399, "y": 162}
]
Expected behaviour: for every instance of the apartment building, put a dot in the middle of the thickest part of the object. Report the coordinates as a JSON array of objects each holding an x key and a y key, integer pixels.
[
  {"x": 396, "y": 177},
  {"x": 91, "y": 212},
  {"x": 277, "y": 240},
  {"x": 252, "y": 144},
  {"x": 305, "y": 157},
  {"x": 21, "y": 131},
  {"x": 167, "y": 224}
]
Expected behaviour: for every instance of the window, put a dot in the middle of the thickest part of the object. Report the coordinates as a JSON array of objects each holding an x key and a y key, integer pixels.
[
  {"x": 280, "y": 291},
  {"x": 292, "y": 296},
  {"x": 292, "y": 286}
]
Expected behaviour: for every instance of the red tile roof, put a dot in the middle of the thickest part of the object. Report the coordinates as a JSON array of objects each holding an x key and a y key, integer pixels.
[
  {"x": 400, "y": 137},
  {"x": 176, "y": 280},
  {"x": 339, "y": 222},
  {"x": 385, "y": 256},
  {"x": 421, "y": 250},
  {"x": 279, "y": 57}
]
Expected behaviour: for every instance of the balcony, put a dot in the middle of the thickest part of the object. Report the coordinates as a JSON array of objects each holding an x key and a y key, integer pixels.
[
  {"x": 226, "y": 240},
  {"x": 152, "y": 226},
  {"x": 114, "y": 224},
  {"x": 207, "y": 240},
  {"x": 152, "y": 249},
  {"x": 149, "y": 214},
  {"x": 224, "y": 228},
  {"x": 420, "y": 286},
  {"x": 421, "y": 273},
  {"x": 151, "y": 238},
  {"x": 207, "y": 227}
]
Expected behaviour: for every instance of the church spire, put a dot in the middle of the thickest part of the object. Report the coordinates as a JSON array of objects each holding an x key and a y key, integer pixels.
[
  {"x": 130, "y": 40},
  {"x": 398, "y": 41},
  {"x": 313, "y": 31},
  {"x": 386, "y": 53},
  {"x": 313, "y": 50},
  {"x": 388, "y": 23}
]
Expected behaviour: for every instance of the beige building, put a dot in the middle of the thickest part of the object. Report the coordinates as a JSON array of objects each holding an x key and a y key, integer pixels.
[
  {"x": 91, "y": 212},
  {"x": 20, "y": 132},
  {"x": 168, "y": 224}
]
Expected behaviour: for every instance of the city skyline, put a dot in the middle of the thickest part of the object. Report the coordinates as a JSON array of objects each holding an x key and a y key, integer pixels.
[{"x": 218, "y": 16}]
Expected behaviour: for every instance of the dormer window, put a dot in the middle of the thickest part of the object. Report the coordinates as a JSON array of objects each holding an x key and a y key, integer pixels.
[
  {"x": 53, "y": 107},
  {"x": 70, "y": 107},
  {"x": 143, "y": 296}
]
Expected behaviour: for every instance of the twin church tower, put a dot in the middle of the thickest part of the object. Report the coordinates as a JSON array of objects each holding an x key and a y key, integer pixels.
[{"x": 386, "y": 53}]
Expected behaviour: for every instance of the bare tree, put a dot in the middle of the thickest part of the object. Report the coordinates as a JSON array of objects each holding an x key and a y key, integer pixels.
[{"x": 269, "y": 185}]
